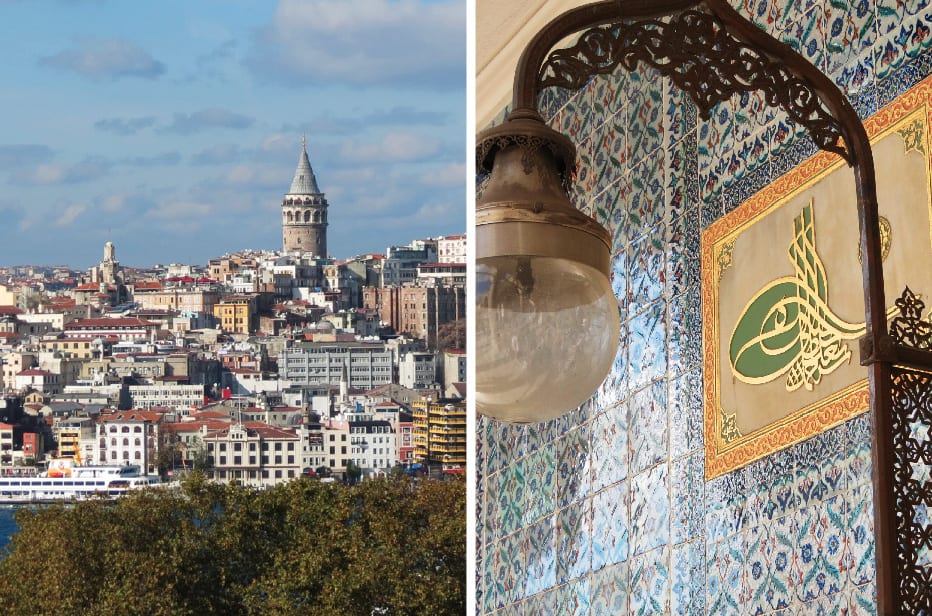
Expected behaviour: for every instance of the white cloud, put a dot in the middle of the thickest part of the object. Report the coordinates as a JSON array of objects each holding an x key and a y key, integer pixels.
[
  {"x": 393, "y": 147},
  {"x": 69, "y": 215},
  {"x": 106, "y": 59},
  {"x": 452, "y": 174},
  {"x": 404, "y": 42}
]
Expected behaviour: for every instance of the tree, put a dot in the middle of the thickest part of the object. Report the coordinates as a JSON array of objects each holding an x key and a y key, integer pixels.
[
  {"x": 304, "y": 547},
  {"x": 353, "y": 473},
  {"x": 452, "y": 335}
]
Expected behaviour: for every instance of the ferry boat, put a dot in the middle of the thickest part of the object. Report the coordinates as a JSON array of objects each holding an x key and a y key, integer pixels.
[{"x": 66, "y": 483}]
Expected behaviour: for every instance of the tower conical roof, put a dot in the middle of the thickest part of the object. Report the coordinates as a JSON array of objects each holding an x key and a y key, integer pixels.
[{"x": 304, "y": 182}]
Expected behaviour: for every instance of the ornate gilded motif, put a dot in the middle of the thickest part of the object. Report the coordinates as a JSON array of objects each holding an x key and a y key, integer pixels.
[
  {"x": 912, "y": 135},
  {"x": 788, "y": 327},
  {"x": 699, "y": 55},
  {"x": 725, "y": 256},
  {"x": 730, "y": 430},
  {"x": 909, "y": 329},
  {"x": 912, "y": 451}
]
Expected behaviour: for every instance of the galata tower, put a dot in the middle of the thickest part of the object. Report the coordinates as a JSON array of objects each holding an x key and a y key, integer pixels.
[{"x": 304, "y": 211}]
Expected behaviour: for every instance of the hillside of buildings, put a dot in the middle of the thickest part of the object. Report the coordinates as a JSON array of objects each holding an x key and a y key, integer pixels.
[
  {"x": 305, "y": 547},
  {"x": 256, "y": 367}
]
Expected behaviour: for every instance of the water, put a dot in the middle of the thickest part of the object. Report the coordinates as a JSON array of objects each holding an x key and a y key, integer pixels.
[{"x": 7, "y": 524}]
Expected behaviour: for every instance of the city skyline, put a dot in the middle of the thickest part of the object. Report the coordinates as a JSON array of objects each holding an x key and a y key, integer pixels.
[{"x": 173, "y": 130}]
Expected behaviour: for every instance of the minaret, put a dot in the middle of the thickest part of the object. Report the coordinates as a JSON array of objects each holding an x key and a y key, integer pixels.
[{"x": 304, "y": 211}]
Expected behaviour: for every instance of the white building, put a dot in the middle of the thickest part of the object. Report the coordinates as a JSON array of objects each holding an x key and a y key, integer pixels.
[
  {"x": 373, "y": 446},
  {"x": 417, "y": 370},
  {"x": 128, "y": 437},
  {"x": 368, "y": 364},
  {"x": 254, "y": 454},
  {"x": 174, "y": 396},
  {"x": 451, "y": 249}
]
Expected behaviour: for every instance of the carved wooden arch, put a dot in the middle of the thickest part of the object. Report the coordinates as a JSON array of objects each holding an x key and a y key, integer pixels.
[{"x": 711, "y": 52}]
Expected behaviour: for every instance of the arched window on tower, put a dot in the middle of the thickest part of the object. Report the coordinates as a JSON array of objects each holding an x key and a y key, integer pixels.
[
  {"x": 290, "y": 216},
  {"x": 307, "y": 216},
  {"x": 316, "y": 216}
]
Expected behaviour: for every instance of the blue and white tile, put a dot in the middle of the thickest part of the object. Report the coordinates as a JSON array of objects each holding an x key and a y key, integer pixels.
[
  {"x": 540, "y": 484},
  {"x": 685, "y": 399},
  {"x": 573, "y": 598},
  {"x": 687, "y": 487},
  {"x": 542, "y": 604},
  {"x": 647, "y": 351},
  {"x": 609, "y": 447},
  {"x": 687, "y": 589},
  {"x": 650, "y": 511},
  {"x": 647, "y": 426},
  {"x": 610, "y": 590},
  {"x": 650, "y": 583},
  {"x": 860, "y": 535},
  {"x": 610, "y": 526},
  {"x": 573, "y": 479},
  {"x": 574, "y": 541},
  {"x": 541, "y": 564}
]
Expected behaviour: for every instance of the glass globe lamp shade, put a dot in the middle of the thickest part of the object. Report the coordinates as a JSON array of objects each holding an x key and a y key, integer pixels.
[{"x": 546, "y": 319}]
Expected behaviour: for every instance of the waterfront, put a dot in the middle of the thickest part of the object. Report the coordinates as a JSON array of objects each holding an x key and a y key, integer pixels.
[{"x": 7, "y": 524}]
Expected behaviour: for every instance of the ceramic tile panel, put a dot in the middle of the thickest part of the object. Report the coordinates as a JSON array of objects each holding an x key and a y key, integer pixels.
[
  {"x": 862, "y": 600},
  {"x": 645, "y": 262},
  {"x": 650, "y": 511},
  {"x": 572, "y": 451},
  {"x": 541, "y": 545},
  {"x": 540, "y": 484},
  {"x": 608, "y": 144},
  {"x": 758, "y": 571},
  {"x": 687, "y": 479},
  {"x": 684, "y": 342},
  {"x": 542, "y": 604},
  {"x": 685, "y": 399},
  {"x": 609, "y": 587},
  {"x": 891, "y": 14},
  {"x": 650, "y": 583},
  {"x": 851, "y": 30},
  {"x": 781, "y": 553},
  {"x": 680, "y": 114},
  {"x": 512, "y": 568},
  {"x": 609, "y": 447},
  {"x": 682, "y": 254},
  {"x": 687, "y": 575},
  {"x": 573, "y": 598},
  {"x": 645, "y": 114},
  {"x": 806, "y": 34},
  {"x": 645, "y": 203},
  {"x": 492, "y": 587},
  {"x": 574, "y": 541},
  {"x": 681, "y": 176},
  {"x": 647, "y": 346},
  {"x": 647, "y": 425},
  {"x": 860, "y": 535},
  {"x": 508, "y": 491},
  {"x": 725, "y": 583},
  {"x": 610, "y": 526}
]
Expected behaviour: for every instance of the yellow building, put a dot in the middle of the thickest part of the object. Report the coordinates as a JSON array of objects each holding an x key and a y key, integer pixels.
[
  {"x": 440, "y": 431},
  {"x": 237, "y": 314}
]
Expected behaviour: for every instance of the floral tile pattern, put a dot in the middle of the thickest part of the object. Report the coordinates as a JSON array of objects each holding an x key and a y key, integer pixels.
[{"x": 610, "y": 526}]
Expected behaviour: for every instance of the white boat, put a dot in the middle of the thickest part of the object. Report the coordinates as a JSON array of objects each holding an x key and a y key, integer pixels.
[{"x": 66, "y": 483}]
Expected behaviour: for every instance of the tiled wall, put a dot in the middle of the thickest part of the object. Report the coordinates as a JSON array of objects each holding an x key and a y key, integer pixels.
[{"x": 606, "y": 510}]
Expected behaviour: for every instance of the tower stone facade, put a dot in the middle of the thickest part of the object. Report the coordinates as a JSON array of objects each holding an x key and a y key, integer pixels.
[{"x": 304, "y": 212}]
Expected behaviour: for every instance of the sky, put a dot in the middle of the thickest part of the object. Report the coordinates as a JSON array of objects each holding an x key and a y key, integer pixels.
[{"x": 173, "y": 128}]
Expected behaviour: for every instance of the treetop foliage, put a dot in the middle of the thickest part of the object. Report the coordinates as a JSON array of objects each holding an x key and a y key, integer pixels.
[{"x": 389, "y": 547}]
